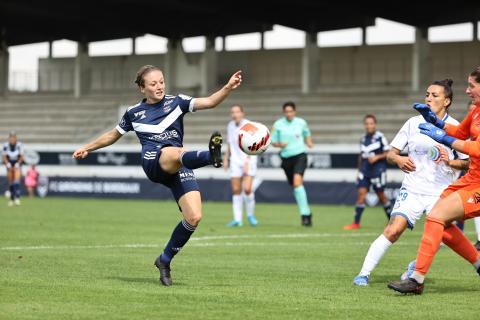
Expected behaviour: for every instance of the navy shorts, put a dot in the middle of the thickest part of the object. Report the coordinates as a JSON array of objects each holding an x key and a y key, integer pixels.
[
  {"x": 179, "y": 183},
  {"x": 378, "y": 182}
]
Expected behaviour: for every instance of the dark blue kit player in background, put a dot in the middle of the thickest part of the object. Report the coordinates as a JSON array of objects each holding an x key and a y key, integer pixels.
[
  {"x": 372, "y": 167},
  {"x": 158, "y": 122}
]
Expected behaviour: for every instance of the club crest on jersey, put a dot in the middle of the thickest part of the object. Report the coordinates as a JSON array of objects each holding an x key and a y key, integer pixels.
[
  {"x": 434, "y": 153},
  {"x": 140, "y": 113}
]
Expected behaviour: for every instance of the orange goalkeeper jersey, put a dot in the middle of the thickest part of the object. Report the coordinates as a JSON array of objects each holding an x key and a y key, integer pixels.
[{"x": 469, "y": 128}]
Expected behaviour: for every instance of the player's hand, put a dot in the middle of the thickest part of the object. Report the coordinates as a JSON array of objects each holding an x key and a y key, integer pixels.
[
  {"x": 372, "y": 159},
  {"x": 406, "y": 164},
  {"x": 436, "y": 134},
  {"x": 444, "y": 156},
  {"x": 235, "y": 80},
  {"x": 429, "y": 115},
  {"x": 81, "y": 153},
  {"x": 16, "y": 165},
  {"x": 8, "y": 165}
]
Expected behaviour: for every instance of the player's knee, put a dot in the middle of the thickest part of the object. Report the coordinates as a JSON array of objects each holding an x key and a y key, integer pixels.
[
  {"x": 247, "y": 190},
  {"x": 236, "y": 191},
  {"x": 194, "y": 219},
  {"x": 392, "y": 233}
]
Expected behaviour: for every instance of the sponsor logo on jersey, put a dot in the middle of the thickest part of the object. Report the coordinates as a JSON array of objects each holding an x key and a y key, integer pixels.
[
  {"x": 140, "y": 113},
  {"x": 166, "y": 135}
]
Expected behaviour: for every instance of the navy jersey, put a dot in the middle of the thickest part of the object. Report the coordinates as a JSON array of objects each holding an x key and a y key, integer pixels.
[
  {"x": 157, "y": 125},
  {"x": 13, "y": 152},
  {"x": 371, "y": 145}
]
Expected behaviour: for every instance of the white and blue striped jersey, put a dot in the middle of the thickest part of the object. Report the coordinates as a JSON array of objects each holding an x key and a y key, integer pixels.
[
  {"x": 371, "y": 145},
  {"x": 13, "y": 152},
  {"x": 157, "y": 125}
]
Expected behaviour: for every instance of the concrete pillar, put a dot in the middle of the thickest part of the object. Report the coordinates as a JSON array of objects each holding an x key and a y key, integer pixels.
[
  {"x": 364, "y": 36},
  {"x": 81, "y": 80},
  {"x": 4, "y": 60},
  {"x": 310, "y": 63},
  {"x": 262, "y": 40},
  {"x": 170, "y": 66},
  {"x": 208, "y": 67},
  {"x": 50, "y": 49},
  {"x": 421, "y": 60},
  {"x": 475, "y": 31},
  {"x": 134, "y": 46}
]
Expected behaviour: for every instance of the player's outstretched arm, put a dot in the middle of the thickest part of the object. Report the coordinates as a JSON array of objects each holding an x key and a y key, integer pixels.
[
  {"x": 104, "y": 140},
  {"x": 216, "y": 98}
]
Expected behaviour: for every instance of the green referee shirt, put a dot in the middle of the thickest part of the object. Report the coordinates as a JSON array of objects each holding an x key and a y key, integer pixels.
[{"x": 291, "y": 132}]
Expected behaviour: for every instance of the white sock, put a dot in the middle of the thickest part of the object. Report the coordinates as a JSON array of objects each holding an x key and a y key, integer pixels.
[
  {"x": 250, "y": 201},
  {"x": 374, "y": 255},
  {"x": 420, "y": 278},
  {"x": 477, "y": 226},
  {"x": 237, "y": 203}
]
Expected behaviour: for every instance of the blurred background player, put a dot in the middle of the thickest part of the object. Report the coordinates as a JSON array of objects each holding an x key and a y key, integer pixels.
[
  {"x": 429, "y": 168},
  {"x": 372, "y": 167},
  {"x": 242, "y": 169},
  {"x": 292, "y": 135},
  {"x": 13, "y": 159},
  {"x": 158, "y": 122},
  {"x": 459, "y": 201},
  {"x": 31, "y": 180}
]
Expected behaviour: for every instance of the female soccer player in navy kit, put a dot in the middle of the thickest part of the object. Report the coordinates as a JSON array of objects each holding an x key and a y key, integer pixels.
[
  {"x": 158, "y": 122},
  {"x": 13, "y": 159}
]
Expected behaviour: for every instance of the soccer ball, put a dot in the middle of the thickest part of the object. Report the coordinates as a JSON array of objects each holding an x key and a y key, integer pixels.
[{"x": 254, "y": 138}]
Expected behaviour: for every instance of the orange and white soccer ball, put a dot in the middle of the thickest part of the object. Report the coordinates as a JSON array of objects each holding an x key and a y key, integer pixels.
[{"x": 254, "y": 138}]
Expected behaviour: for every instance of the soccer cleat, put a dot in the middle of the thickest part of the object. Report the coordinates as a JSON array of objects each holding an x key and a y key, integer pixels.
[
  {"x": 361, "y": 281},
  {"x": 252, "y": 221},
  {"x": 477, "y": 245},
  {"x": 307, "y": 220},
  {"x": 410, "y": 269},
  {"x": 407, "y": 286},
  {"x": 215, "y": 148},
  {"x": 165, "y": 277},
  {"x": 352, "y": 226},
  {"x": 235, "y": 223},
  {"x": 17, "y": 202}
]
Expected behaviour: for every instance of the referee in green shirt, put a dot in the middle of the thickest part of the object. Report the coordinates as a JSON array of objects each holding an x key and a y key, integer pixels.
[{"x": 292, "y": 135}]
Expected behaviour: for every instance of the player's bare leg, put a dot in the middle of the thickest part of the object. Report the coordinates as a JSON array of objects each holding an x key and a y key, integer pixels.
[
  {"x": 191, "y": 206},
  {"x": 387, "y": 207},
  {"x": 247, "y": 186}
]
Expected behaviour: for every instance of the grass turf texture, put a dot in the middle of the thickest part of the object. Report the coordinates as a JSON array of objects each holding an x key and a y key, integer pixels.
[{"x": 96, "y": 261}]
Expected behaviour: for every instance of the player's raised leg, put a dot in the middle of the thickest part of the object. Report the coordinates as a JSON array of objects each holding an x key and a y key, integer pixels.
[{"x": 191, "y": 205}]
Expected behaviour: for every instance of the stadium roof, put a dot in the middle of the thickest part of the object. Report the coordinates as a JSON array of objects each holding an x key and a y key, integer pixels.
[{"x": 30, "y": 21}]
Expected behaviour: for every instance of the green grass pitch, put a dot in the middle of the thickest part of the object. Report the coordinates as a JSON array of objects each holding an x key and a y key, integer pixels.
[{"x": 93, "y": 259}]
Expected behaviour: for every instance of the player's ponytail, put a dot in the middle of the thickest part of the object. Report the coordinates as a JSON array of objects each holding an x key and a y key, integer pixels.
[
  {"x": 447, "y": 88},
  {"x": 139, "y": 80},
  {"x": 476, "y": 74}
]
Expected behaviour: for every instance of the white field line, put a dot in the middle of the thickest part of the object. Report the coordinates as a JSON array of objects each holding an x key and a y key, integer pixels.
[{"x": 198, "y": 242}]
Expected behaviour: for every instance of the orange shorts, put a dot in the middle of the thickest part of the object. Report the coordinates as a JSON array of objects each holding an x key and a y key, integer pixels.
[{"x": 470, "y": 195}]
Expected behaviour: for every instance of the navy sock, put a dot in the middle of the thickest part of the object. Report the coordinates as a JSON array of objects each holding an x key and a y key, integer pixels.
[
  {"x": 12, "y": 191},
  {"x": 388, "y": 209},
  {"x": 179, "y": 238},
  {"x": 17, "y": 189},
  {"x": 358, "y": 212},
  {"x": 460, "y": 225},
  {"x": 195, "y": 159}
]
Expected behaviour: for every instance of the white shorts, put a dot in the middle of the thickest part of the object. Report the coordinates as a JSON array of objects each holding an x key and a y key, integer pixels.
[
  {"x": 412, "y": 205},
  {"x": 236, "y": 169}
]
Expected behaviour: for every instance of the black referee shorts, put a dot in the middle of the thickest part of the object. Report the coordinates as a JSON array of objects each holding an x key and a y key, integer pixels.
[{"x": 296, "y": 164}]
